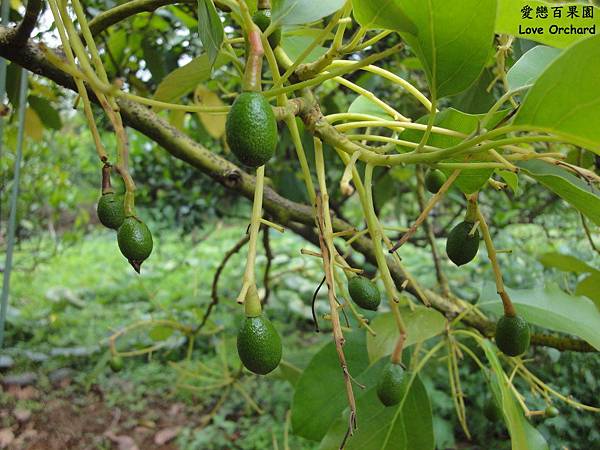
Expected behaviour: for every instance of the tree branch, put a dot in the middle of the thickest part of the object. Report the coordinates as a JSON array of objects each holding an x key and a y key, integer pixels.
[{"x": 298, "y": 217}]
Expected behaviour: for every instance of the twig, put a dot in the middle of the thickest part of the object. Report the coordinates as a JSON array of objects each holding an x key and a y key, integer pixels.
[
  {"x": 328, "y": 251},
  {"x": 214, "y": 294},
  {"x": 269, "y": 255},
  {"x": 432, "y": 202},
  {"x": 441, "y": 277}
]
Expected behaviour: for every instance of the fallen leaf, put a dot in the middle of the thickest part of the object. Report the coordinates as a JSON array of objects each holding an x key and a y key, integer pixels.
[
  {"x": 124, "y": 442},
  {"x": 165, "y": 435},
  {"x": 6, "y": 437},
  {"x": 21, "y": 414}
]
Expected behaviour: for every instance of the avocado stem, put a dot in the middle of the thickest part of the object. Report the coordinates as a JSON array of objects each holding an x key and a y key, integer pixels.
[
  {"x": 264, "y": 4},
  {"x": 252, "y": 306},
  {"x": 106, "y": 185},
  {"x": 509, "y": 309},
  {"x": 253, "y": 71}
]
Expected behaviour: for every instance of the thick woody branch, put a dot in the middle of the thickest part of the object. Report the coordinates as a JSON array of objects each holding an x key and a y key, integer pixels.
[
  {"x": 298, "y": 217},
  {"x": 25, "y": 28}
]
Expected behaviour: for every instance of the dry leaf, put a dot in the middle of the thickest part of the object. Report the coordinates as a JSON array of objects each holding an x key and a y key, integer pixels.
[
  {"x": 166, "y": 435},
  {"x": 6, "y": 437},
  {"x": 214, "y": 123}
]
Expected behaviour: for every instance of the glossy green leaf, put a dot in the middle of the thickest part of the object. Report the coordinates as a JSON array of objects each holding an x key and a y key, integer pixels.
[
  {"x": 184, "y": 79},
  {"x": 320, "y": 395},
  {"x": 47, "y": 114},
  {"x": 210, "y": 29},
  {"x": 566, "y": 263},
  {"x": 510, "y": 18},
  {"x": 570, "y": 188},
  {"x": 382, "y": 14},
  {"x": 511, "y": 179},
  {"x": 407, "y": 426},
  {"x": 530, "y": 66},
  {"x": 522, "y": 434},
  {"x": 565, "y": 100},
  {"x": 453, "y": 40},
  {"x": 551, "y": 308},
  {"x": 590, "y": 287},
  {"x": 362, "y": 105},
  {"x": 296, "y": 12},
  {"x": 295, "y": 45},
  {"x": 422, "y": 323},
  {"x": 468, "y": 181}
]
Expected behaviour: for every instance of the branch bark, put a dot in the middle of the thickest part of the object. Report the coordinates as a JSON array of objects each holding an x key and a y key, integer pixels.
[{"x": 298, "y": 217}]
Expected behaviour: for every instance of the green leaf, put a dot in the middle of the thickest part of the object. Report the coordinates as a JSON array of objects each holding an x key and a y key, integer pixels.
[
  {"x": 184, "y": 79},
  {"x": 453, "y": 41},
  {"x": 570, "y": 188},
  {"x": 295, "y": 45},
  {"x": 511, "y": 179},
  {"x": 382, "y": 14},
  {"x": 297, "y": 12},
  {"x": 47, "y": 114},
  {"x": 530, "y": 66},
  {"x": 522, "y": 434},
  {"x": 210, "y": 28},
  {"x": 566, "y": 263},
  {"x": 590, "y": 287},
  {"x": 565, "y": 100},
  {"x": 362, "y": 105},
  {"x": 320, "y": 394},
  {"x": 551, "y": 308},
  {"x": 160, "y": 333},
  {"x": 407, "y": 426},
  {"x": 422, "y": 323},
  {"x": 155, "y": 60},
  {"x": 510, "y": 18},
  {"x": 468, "y": 181}
]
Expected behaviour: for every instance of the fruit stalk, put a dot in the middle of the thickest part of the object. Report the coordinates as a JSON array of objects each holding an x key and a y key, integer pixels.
[
  {"x": 376, "y": 236},
  {"x": 106, "y": 185},
  {"x": 509, "y": 309},
  {"x": 249, "y": 277}
]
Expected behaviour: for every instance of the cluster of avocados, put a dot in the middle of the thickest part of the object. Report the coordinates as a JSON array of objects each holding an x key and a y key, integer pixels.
[{"x": 133, "y": 236}]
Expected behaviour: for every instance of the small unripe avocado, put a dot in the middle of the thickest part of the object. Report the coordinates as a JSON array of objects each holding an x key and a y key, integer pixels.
[
  {"x": 364, "y": 293},
  {"x": 512, "y": 335},
  {"x": 461, "y": 247},
  {"x": 116, "y": 363},
  {"x": 110, "y": 210},
  {"x": 251, "y": 129},
  {"x": 262, "y": 18},
  {"x": 135, "y": 241},
  {"x": 434, "y": 179},
  {"x": 259, "y": 345},
  {"x": 551, "y": 412},
  {"x": 390, "y": 387},
  {"x": 492, "y": 411}
]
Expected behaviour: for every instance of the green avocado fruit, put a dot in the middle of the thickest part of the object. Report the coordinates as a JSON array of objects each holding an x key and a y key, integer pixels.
[
  {"x": 262, "y": 18},
  {"x": 390, "y": 387},
  {"x": 512, "y": 335},
  {"x": 259, "y": 345},
  {"x": 551, "y": 412},
  {"x": 461, "y": 247},
  {"x": 116, "y": 363},
  {"x": 251, "y": 129},
  {"x": 135, "y": 241},
  {"x": 111, "y": 210},
  {"x": 434, "y": 179},
  {"x": 364, "y": 293}
]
